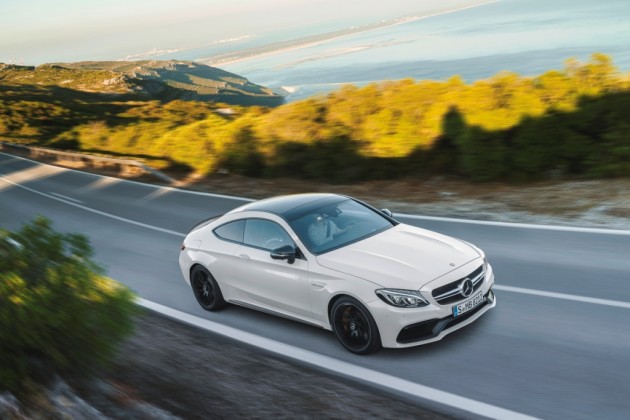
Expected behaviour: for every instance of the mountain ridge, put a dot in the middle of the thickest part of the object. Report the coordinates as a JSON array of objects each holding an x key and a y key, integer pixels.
[{"x": 152, "y": 79}]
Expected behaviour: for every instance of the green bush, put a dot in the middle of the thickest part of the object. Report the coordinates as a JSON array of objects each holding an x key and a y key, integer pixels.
[{"x": 58, "y": 313}]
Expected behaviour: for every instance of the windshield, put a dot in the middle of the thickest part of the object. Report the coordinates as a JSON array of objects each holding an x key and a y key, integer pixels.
[{"x": 337, "y": 225}]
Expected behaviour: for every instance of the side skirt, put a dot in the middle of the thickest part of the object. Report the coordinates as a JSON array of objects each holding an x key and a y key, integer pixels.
[{"x": 272, "y": 312}]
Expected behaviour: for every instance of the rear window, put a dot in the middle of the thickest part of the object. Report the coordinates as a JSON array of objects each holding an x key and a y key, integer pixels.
[
  {"x": 266, "y": 234},
  {"x": 232, "y": 231}
]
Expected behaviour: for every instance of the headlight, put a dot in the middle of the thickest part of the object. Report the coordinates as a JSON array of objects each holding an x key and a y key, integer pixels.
[{"x": 402, "y": 298}]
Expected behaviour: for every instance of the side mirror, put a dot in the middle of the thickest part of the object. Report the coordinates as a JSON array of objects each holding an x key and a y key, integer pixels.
[
  {"x": 286, "y": 252},
  {"x": 387, "y": 212}
]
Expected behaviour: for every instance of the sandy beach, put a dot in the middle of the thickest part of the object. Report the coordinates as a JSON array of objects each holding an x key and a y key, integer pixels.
[{"x": 311, "y": 41}]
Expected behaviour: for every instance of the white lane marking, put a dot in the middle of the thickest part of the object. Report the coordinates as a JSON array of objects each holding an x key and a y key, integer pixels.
[
  {"x": 519, "y": 225},
  {"x": 102, "y": 213},
  {"x": 338, "y": 366},
  {"x": 65, "y": 197},
  {"x": 565, "y": 296}
]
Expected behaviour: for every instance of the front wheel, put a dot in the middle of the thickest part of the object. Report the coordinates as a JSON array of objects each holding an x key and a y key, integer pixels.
[
  {"x": 354, "y": 326},
  {"x": 206, "y": 289}
]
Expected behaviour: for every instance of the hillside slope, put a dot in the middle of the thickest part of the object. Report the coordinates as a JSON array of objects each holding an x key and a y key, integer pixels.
[{"x": 162, "y": 80}]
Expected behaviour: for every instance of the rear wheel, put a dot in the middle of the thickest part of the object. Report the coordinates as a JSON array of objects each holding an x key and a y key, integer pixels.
[
  {"x": 354, "y": 326},
  {"x": 206, "y": 289}
]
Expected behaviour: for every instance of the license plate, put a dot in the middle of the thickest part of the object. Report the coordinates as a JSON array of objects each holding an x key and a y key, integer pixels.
[{"x": 464, "y": 307}]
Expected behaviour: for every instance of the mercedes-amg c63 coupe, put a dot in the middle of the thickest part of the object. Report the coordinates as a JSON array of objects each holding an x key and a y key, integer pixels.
[{"x": 340, "y": 264}]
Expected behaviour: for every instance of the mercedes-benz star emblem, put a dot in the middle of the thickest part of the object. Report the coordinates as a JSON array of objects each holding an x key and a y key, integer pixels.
[{"x": 466, "y": 287}]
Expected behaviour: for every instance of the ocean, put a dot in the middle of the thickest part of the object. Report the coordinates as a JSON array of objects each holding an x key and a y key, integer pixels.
[{"x": 523, "y": 36}]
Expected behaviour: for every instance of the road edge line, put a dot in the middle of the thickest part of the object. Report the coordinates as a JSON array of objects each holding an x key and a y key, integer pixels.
[{"x": 338, "y": 367}]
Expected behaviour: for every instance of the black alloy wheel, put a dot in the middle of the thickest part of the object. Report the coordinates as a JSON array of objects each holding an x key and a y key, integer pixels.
[
  {"x": 354, "y": 326},
  {"x": 206, "y": 289}
]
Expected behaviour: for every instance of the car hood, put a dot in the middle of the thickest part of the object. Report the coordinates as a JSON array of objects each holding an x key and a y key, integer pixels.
[{"x": 404, "y": 257}]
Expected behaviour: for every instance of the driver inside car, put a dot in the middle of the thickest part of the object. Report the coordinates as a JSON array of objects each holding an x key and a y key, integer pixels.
[{"x": 323, "y": 230}]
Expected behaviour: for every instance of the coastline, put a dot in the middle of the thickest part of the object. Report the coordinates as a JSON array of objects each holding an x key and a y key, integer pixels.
[{"x": 305, "y": 42}]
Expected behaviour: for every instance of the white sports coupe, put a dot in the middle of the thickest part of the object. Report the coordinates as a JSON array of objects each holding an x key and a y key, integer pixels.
[{"x": 340, "y": 264}]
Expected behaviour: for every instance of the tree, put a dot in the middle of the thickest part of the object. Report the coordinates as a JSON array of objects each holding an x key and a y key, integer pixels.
[
  {"x": 58, "y": 313},
  {"x": 594, "y": 77}
]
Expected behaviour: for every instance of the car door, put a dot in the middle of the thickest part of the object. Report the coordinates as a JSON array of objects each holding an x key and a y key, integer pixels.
[{"x": 268, "y": 283}]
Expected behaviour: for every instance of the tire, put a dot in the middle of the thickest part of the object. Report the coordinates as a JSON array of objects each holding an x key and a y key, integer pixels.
[
  {"x": 354, "y": 326},
  {"x": 206, "y": 289}
]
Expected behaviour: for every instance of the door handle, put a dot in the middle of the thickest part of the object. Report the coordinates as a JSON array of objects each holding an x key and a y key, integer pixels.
[{"x": 244, "y": 256}]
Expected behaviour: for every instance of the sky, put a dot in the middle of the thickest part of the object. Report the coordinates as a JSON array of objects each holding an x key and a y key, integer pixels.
[{"x": 34, "y": 32}]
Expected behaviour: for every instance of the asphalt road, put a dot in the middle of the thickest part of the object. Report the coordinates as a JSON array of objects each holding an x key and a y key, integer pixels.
[{"x": 556, "y": 346}]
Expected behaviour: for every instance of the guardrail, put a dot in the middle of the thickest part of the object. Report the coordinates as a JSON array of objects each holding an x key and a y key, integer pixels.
[{"x": 126, "y": 167}]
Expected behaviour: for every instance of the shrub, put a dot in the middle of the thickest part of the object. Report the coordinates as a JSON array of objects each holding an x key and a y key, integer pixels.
[{"x": 58, "y": 313}]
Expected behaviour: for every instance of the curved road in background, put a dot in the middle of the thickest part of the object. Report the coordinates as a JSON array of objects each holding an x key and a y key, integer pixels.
[{"x": 556, "y": 346}]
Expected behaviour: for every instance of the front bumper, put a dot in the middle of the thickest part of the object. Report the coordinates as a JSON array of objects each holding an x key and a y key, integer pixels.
[
  {"x": 406, "y": 327},
  {"x": 425, "y": 331}
]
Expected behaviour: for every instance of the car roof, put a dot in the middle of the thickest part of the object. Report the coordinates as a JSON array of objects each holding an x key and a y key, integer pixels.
[{"x": 292, "y": 206}]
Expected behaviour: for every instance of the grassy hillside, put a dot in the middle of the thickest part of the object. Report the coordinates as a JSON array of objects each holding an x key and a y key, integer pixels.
[
  {"x": 568, "y": 123},
  {"x": 161, "y": 80}
]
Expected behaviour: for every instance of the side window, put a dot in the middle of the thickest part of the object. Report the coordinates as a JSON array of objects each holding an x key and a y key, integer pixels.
[
  {"x": 265, "y": 234},
  {"x": 232, "y": 231}
]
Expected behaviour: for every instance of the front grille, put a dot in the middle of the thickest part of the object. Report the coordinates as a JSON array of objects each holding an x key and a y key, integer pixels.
[{"x": 450, "y": 293}]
